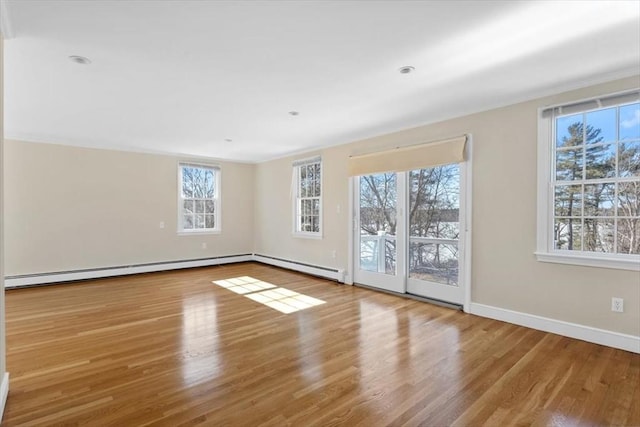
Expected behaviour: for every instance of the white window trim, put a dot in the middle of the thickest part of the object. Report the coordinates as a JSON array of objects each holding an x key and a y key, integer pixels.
[
  {"x": 218, "y": 192},
  {"x": 544, "y": 248},
  {"x": 294, "y": 196}
]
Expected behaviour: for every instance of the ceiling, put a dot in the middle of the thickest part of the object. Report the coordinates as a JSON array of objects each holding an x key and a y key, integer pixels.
[{"x": 219, "y": 78}]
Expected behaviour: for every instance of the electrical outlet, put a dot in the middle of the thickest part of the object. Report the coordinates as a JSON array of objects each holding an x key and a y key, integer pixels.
[
  {"x": 617, "y": 305},
  {"x": 333, "y": 253},
  {"x": 204, "y": 245},
  {"x": 161, "y": 224}
]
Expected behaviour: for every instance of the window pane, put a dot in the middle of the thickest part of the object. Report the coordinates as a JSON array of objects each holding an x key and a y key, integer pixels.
[
  {"x": 569, "y": 164},
  {"x": 199, "y": 206},
  {"x": 318, "y": 180},
  {"x": 378, "y": 222},
  {"x": 209, "y": 184},
  {"x": 434, "y": 262},
  {"x": 601, "y": 161},
  {"x": 378, "y": 204},
  {"x": 310, "y": 174},
  {"x": 434, "y": 202},
  {"x": 629, "y": 235},
  {"x": 568, "y": 200},
  {"x": 198, "y": 183},
  {"x": 630, "y": 121},
  {"x": 629, "y": 198},
  {"x": 306, "y": 223},
  {"x": 187, "y": 222},
  {"x": 315, "y": 227},
  {"x": 629, "y": 159},
  {"x": 210, "y": 221},
  {"x": 601, "y": 126},
  {"x": 599, "y": 199},
  {"x": 199, "y": 221},
  {"x": 569, "y": 131},
  {"x": 315, "y": 210},
  {"x": 598, "y": 235},
  {"x": 209, "y": 207},
  {"x": 568, "y": 234},
  {"x": 316, "y": 188},
  {"x": 187, "y": 182},
  {"x": 188, "y": 206}
]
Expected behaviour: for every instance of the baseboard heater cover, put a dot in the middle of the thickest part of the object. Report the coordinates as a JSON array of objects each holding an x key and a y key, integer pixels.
[
  {"x": 314, "y": 270},
  {"x": 96, "y": 273}
]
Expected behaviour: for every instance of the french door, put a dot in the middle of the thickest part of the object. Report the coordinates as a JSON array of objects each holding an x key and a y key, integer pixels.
[{"x": 409, "y": 232}]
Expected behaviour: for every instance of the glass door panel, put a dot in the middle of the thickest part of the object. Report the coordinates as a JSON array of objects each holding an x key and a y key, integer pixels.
[
  {"x": 379, "y": 259},
  {"x": 434, "y": 233}
]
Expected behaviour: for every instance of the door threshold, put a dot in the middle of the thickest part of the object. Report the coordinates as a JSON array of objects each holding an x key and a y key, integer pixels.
[{"x": 434, "y": 301}]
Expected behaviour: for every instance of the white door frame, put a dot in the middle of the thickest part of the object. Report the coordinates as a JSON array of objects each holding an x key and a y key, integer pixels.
[{"x": 465, "y": 241}]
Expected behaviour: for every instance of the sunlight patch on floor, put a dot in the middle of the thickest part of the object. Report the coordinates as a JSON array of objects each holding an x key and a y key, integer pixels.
[
  {"x": 244, "y": 285},
  {"x": 284, "y": 300}
]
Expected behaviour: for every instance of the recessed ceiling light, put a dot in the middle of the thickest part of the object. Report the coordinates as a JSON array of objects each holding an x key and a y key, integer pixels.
[
  {"x": 80, "y": 60},
  {"x": 406, "y": 69},
  {"x": 293, "y": 113},
  {"x": 228, "y": 140}
]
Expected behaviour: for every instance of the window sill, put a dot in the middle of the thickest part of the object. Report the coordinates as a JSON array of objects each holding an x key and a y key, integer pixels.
[
  {"x": 316, "y": 236},
  {"x": 628, "y": 263},
  {"x": 197, "y": 232}
]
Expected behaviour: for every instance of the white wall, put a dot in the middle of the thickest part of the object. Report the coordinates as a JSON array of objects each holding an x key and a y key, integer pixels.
[
  {"x": 70, "y": 208},
  {"x": 505, "y": 272}
]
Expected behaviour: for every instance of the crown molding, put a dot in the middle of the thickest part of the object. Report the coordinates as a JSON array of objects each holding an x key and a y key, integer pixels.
[{"x": 5, "y": 21}]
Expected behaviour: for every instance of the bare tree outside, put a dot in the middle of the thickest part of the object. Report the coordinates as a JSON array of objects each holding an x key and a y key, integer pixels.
[
  {"x": 198, "y": 197},
  {"x": 378, "y": 219},
  {"x": 433, "y": 223}
]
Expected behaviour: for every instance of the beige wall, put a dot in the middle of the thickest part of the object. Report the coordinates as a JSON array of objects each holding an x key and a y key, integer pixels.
[
  {"x": 3, "y": 367},
  {"x": 70, "y": 208},
  {"x": 505, "y": 272}
]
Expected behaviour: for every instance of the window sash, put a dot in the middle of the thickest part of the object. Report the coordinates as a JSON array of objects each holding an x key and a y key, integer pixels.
[
  {"x": 308, "y": 188},
  {"x": 590, "y": 214},
  {"x": 198, "y": 217}
]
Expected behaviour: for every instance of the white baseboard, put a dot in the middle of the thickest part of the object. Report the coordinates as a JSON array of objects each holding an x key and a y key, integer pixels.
[
  {"x": 573, "y": 330},
  {"x": 4, "y": 392},
  {"x": 67, "y": 276},
  {"x": 36, "y": 279},
  {"x": 326, "y": 272}
]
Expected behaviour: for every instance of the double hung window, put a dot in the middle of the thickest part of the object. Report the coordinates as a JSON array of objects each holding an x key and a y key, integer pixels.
[
  {"x": 199, "y": 201},
  {"x": 589, "y": 188},
  {"x": 307, "y": 180}
]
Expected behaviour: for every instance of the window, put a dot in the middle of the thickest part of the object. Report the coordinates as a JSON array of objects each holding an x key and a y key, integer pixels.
[
  {"x": 592, "y": 177},
  {"x": 307, "y": 178},
  {"x": 199, "y": 201}
]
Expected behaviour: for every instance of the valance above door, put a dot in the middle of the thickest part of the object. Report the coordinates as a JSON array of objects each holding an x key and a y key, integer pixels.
[{"x": 408, "y": 158}]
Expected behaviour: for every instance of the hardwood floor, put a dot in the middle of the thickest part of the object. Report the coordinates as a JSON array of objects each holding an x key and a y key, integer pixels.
[{"x": 174, "y": 349}]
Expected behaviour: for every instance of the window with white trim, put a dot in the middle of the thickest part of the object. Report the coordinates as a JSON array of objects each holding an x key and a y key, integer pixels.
[
  {"x": 199, "y": 199},
  {"x": 592, "y": 182},
  {"x": 307, "y": 179}
]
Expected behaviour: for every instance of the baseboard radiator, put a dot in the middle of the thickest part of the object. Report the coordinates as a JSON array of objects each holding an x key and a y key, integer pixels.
[
  {"x": 96, "y": 273},
  {"x": 19, "y": 281},
  {"x": 314, "y": 270}
]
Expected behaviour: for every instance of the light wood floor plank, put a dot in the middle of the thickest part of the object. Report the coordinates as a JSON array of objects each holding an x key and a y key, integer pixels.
[{"x": 171, "y": 349}]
